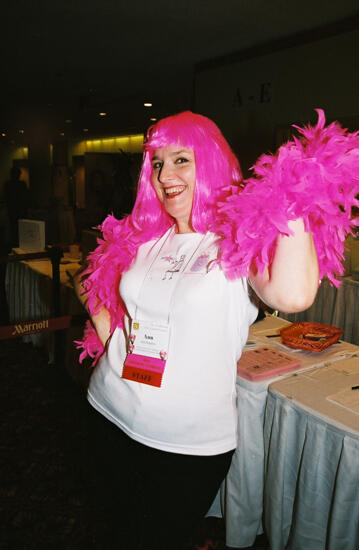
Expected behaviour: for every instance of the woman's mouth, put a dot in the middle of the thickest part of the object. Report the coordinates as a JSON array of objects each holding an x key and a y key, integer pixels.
[{"x": 172, "y": 192}]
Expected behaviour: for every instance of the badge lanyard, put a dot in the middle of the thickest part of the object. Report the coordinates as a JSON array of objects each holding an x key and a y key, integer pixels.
[{"x": 148, "y": 340}]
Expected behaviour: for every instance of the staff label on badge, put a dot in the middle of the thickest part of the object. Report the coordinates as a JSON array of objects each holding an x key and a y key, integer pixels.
[{"x": 147, "y": 353}]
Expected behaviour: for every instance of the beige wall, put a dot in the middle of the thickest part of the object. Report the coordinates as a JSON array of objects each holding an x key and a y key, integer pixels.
[{"x": 297, "y": 80}]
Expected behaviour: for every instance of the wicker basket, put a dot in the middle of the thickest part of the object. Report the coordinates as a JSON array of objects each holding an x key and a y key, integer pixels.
[{"x": 310, "y": 336}]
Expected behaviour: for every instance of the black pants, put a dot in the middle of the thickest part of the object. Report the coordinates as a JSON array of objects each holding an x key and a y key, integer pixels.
[{"x": 155, "y": 498}]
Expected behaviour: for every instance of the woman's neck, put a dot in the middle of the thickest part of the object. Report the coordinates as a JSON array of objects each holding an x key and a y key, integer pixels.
[{"x": 183, "y": 227}]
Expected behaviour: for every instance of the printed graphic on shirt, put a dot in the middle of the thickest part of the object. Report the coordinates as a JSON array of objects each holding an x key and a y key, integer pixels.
[
  {"x": 175, "y": 266},
  {"x": 204, "y": 262},
  {"x": 200, "y": 263}
]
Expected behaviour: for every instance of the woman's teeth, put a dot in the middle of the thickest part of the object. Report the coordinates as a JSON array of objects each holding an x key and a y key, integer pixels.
[{"x": 174, "y": 191}]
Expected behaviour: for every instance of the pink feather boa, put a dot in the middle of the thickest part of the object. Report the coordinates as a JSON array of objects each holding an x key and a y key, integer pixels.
[
  {"x": 101, "y": 278},
  {"x": 315, "y": 177}
]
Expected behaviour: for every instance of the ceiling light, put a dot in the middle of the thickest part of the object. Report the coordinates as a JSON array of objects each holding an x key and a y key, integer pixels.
[
  {"x": 102, "y": 113},
  {"x": 85, "y": 129},
  {"x": 62, "y": 133},
  {"x": 3, "y": 134},
  {"x": 21, "y": 131},
  {"x": 147, "y": 104},
  {"x": 68, "y": 121},
  {"x": 153, "y": 119}
]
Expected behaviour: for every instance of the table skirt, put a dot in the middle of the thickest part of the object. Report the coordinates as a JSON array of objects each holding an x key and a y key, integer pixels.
[
  {"x": 311, "y": 481},
  {"x": 241, "y": 495}
]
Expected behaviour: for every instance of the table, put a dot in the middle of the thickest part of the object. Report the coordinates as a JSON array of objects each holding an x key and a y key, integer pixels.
[
  {"x": 312, "y": 460},
  {"x": 29, "y": 295},
  {"x": 338, "y": 307},
  {"x": 240, "y": 499}
]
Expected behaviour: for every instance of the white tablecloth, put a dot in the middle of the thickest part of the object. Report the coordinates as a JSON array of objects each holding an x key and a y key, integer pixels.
[
  {"x": 240, "y": 499},
  {"x": 312, "y": 462}
]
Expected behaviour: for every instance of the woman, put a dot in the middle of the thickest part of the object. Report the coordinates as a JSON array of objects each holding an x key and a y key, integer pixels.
[{"x": 171, "y": 327}]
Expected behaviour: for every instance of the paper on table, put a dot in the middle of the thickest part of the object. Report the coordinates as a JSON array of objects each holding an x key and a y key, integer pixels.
[
  {"x": 269, "y": 325},
  {"x": 347, "y": 398},
  {"x": 324, "y": 375},
  {"x": 349, "y": 366}
]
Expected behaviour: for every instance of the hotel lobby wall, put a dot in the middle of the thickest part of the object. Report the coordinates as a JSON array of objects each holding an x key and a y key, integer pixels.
[
  {"x": 40, "y": 173},
  {"x": 254, "y": 101},
  {"x": 61, "y": 183}
]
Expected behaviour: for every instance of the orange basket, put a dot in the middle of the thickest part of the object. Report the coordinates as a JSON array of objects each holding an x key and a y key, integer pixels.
[{"x": 310, "y": 336}]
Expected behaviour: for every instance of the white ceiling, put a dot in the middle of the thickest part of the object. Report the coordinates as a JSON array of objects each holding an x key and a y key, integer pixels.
[{"x": 66, "y": 58}]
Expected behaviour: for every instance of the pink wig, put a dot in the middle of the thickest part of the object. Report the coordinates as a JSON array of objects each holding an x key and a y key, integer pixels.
[
  {"x": 217, "y": 168},
  {"x": 217, "y": 171}
]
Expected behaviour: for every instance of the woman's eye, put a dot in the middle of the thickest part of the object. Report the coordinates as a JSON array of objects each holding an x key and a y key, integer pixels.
[
  {"x": 156, "y": 165},
  {"x": 181, "y": 160}
]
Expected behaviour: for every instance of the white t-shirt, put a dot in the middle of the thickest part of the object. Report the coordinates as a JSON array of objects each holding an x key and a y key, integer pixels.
[{"x": 175, "y": 279}]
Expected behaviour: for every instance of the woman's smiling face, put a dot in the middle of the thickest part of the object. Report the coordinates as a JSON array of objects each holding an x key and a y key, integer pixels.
[{"x": 174, "y": 180}]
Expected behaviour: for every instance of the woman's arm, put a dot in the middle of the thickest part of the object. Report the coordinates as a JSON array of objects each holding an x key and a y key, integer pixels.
[
  {"x": 101, "y": 321},
  {"x": 290, "y": 283}
]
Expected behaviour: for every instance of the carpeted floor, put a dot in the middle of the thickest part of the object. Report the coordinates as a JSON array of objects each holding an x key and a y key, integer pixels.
[{"x": 46, "y": 475}]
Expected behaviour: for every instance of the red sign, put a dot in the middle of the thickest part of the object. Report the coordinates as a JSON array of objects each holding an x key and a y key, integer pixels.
[{"x": 34, "y": 327}]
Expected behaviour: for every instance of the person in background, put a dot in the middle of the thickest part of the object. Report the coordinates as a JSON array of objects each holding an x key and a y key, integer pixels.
[{"x": 170, "y": 325}]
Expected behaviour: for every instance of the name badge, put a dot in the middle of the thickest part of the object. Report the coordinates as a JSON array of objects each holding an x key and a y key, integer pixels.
[{"x": 147, "y": 353}]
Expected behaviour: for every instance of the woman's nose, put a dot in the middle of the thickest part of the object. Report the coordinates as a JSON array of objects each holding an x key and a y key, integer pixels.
[{"x": 166, "y": 173}]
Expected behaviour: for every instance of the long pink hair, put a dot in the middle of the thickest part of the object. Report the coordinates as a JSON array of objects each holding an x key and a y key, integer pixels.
[
  {"x": 217, "y": 172},
  {"x": 217, "y": 168}
]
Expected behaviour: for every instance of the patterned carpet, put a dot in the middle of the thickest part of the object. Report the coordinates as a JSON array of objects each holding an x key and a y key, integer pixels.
[{"x": 46, "y": 475}]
